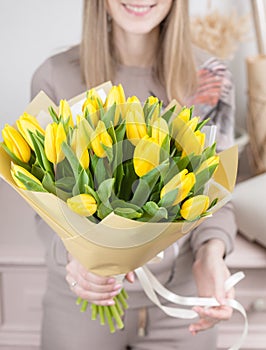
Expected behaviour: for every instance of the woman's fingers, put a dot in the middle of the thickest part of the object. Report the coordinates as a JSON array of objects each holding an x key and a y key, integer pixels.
[{"x": 208, "y": 317}]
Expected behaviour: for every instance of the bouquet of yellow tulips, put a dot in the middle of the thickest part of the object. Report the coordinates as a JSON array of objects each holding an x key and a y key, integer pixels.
[{"x": 120, "y": 164}]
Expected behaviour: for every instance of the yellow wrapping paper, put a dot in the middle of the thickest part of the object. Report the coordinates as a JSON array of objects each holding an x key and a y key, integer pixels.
[{"x": 115, "y": 245}]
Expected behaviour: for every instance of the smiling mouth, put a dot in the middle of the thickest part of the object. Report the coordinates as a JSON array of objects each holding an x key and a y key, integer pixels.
[{"x": 138, "y": 9}]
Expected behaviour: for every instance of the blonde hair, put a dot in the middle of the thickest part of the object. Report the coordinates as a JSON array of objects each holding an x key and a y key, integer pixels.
[{"x": 174, "y": 67}]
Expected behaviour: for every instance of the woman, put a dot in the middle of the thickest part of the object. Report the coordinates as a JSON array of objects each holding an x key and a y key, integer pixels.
[{"x": 144, "y": 45}]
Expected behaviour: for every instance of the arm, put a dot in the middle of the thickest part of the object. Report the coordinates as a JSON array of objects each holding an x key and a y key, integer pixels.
[{"x": 214, "y": 238}]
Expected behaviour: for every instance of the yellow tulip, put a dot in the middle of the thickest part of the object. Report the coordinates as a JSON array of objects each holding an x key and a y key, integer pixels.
[
  {"x": 183, "y": 181},
  {"x": 180, "y": 120},
  {"x": 16, "y": 170},
  {"x": 116, "y": 95},
  {"x": 79, "y": 144},
  {"x": 100, "y": 137},
  {"x": 93, "y": 94},
  {"x": 16, "y": 143},
  {"x": 28, "y": 123},
  {"x": 192, "y": 208},
  {"x": 214, "y": 160},
  {"x": 54, "y": 137},
  {"x": 159, "y": 130},
  {"x": 146, "y": 156},
  {"x": 192, "y": 142},
  {"x": 65, "y": 113},
  {"x": 135, "y": 126},
  {"x": 92, "y": 109},
  {"x": 151, "y": 101},
  {"x": 82, "y": 204},
  {"x": 133, "y": 104},
  {"x": 189, "y": 140}
]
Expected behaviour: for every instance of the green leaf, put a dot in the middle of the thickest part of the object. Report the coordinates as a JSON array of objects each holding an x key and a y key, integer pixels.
[
  {"x": 40, "y": 154},
  {"x": 203, "y": 177},
  {"x": 157, "y": 213},
  {"x": 149, "y": 112},
  {"x": 119, "y": 203},
  {"x": 103, "y": 211},
  {"x": 168, "y": 199},
  {"x": 146, "y": 184},
  {"x": 100, "y": 170},
  {"x": 53, "y": 114},
  {"x": 124, "y": 188},
  {"x": 209, "y": 152},
  {"x": 120, "y": 131},
  {"x": 168, "y": 114},
  {"x": 92, "y": 192},
  {"x": 108, "y": 117},
  {"x": 128, "y": 213},
  {"x": 66, "y": 183},
  {"x": 30, "y": 184},
  {"x": 105, "y": 190},
  {"x": 72, "y": 158},
  {"x": 213, "y": 203},
  {"x": 201, "y": 124},
  {"x": 81, "y": 181}
]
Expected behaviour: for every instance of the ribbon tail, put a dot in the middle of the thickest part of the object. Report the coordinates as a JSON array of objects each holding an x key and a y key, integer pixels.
[{"x": 151, "y": 286}]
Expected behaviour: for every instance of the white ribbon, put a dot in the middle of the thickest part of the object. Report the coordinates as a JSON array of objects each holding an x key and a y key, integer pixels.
[{"x": 151, "y": 286}]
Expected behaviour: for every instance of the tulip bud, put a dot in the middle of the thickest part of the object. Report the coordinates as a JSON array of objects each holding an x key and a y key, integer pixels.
[
  {"x": 183, "y": 181},
  {"x": 24, "y": 179},
  {"x": 100, "y": 137},
  {"x": 146, "y": 156},
  {"x": 65, "y": 113},
  {"x": 82, "y": 204},
  {"x": 93, "y": 95},
  {"x": 159, "y": 130},
  {"x": 135, "y": 126},
  {"x": 133, "y": 104},
  {"x": 91, "y": 108},
  {"x": 79, "y": 144},
  {"x": 150, "y": 102},
  {"x": 192, "y": 208},
  {"x": 116, "y": 95},
  {"x": 54, "y": 137},
  {"x": 196, "y": 144},
  {"x": 27, "y": 123},
  {"x": 16, "y": 143}
]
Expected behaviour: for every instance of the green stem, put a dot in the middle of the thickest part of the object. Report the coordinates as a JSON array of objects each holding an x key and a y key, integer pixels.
[
  {"x": 101, "y": 314},
  {"x": 119, "y": 308},
  {"x": 79, "y": 300},
  {"x": 94, "y": 311},
  {"x": 84, "y": 306},
  {"x": 116, "y": 316},
  {"x": 109, "y": 319},
  {"x": 122, "y": 300}
]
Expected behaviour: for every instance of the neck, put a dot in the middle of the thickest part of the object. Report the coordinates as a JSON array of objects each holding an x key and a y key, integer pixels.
[{"x": 136, "y": 49}]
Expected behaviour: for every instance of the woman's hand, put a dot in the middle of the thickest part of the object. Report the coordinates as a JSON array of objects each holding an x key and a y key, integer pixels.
[
  {"x": 211, "y": 272},
  {"x": 89, "y": 286}
]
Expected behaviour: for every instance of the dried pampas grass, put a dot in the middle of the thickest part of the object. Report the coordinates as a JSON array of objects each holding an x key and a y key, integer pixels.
[{"x": 220, "y": 34}]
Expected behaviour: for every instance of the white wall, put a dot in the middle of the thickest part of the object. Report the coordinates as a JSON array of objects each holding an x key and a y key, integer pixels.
[{"x": 32, "y": 30}]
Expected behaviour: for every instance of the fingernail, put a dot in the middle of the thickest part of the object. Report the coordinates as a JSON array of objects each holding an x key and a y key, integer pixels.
[
  {"x": 117, "y": 286},
  {"x": 114, "y": 293},
  {"x": 111, "y": 281},
  {"x": 110, "y": 302}
]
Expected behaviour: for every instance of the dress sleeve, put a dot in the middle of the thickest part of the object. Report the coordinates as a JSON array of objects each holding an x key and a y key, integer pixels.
[{"x": 215, "y": 99}]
